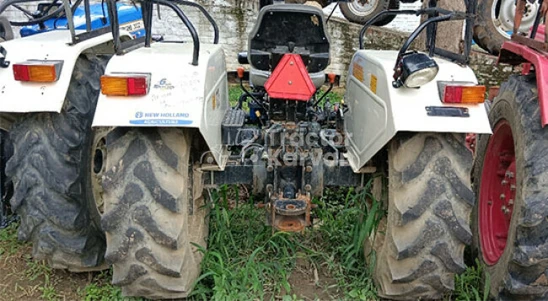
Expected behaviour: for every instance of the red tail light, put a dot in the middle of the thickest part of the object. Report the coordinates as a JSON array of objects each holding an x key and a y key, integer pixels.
[
  {"x": 458, "y": 92},
  {"x": 37, "y": 71},
  {"x": 125, "y": 85}
]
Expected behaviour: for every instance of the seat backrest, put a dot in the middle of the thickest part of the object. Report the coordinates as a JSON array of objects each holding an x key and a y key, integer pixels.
[{"x": 289, "y": 28}]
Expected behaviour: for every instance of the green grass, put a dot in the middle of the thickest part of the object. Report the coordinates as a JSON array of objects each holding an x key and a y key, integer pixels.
[
  {"x": 101, "y": 289},
  {"x": 234, "y": 92},
  {"x": 9, "y": 244},
  {"x": 468, "y": 285},
  {"x": 36, "y": 269},
  {"x": 245, "y": 260}
]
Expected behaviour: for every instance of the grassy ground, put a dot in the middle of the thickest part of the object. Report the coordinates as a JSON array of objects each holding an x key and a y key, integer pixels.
[{"x": 245, "y": 260}]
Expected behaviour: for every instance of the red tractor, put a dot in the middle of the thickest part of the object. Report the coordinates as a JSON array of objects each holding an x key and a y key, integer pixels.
[{"x": 510, "y": 220}]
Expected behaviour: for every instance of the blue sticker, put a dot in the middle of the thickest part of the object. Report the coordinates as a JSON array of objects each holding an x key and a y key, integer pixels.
[
  {"x": 163, "y": 84},
  {"x": 161, "y": 121},
  {"x": 161, "y": 118}
]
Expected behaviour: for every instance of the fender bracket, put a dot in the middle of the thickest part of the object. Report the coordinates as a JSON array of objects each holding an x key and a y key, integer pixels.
[{"x": 3, "y": 62}]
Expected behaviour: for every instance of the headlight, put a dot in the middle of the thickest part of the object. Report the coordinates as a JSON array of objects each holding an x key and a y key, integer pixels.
[{"x": 417, "y": 69}]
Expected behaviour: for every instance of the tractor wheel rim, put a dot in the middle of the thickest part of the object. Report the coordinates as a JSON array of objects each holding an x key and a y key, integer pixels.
[
  {"x": 497, "y": 193},
  {"x": 503, "y": 17},
  {"x": 363, "y": 7},
  {"x": 98, "y": 167}
]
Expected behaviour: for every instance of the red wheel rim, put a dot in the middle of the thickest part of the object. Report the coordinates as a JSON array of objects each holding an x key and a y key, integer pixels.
[{"x": 497, "y": 192}]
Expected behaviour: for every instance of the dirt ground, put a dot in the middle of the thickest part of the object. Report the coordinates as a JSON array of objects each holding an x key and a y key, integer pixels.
[
  {"x": 24, "y": 279},
  {"x": 309, "y": 282}
]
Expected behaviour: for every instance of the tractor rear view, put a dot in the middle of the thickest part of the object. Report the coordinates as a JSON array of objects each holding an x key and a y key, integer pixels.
[
  {"x": 510, "y": 175},
  {"x": 169, "y": 133}
]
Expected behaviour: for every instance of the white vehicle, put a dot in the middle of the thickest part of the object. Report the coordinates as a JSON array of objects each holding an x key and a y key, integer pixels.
[
  {"x": 170, "y": 132},
  {"x": 49, "y": 85}
]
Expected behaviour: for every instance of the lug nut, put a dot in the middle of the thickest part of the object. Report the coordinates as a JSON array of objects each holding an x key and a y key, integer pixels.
[
  {"x": 269, "y": 168},
  {"x": 307, "y": 187},
  {"x": 309, "y": 168},
  {"x": 502, "y": 196}
]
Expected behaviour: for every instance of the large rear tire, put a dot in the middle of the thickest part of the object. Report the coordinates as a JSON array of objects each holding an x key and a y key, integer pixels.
[
  {"x": 356, "y": 12},
  {"x": 51, "y": 173},
  {"x": 495, "y": 18},
  {"x": 420, "y": 243},
  {"x": 510, "y": 222},
  {"x": 152, "y": 217}
]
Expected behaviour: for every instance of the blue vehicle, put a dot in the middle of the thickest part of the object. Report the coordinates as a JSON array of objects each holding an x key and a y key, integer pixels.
[{"x": 129, "y": 16}]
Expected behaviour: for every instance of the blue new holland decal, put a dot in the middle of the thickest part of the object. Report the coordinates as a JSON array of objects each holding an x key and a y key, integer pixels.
[{"x": 161, "y": 119}]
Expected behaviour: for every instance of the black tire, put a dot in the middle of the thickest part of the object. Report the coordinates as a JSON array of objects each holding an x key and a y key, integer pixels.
[
  {"x": 6, "y": 32},
  {"x": 152, "y": 219},
  {"x": 520, "y": 273},
  {"x": 420, "y": 243},
  {"x": 485, "y": 33},
  {"x": 6, "y": 186},
  {"x": 50, "y": 170},
  {"x": 347, "y": 9}
]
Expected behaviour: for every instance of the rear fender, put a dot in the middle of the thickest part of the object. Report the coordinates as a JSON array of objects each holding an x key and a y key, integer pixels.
[
  {"x": 377, "y": 111},
  {"x": 180, "y": 94},
  {"x": 25, "y": 97},
  {"x": 515, "y": 54}
]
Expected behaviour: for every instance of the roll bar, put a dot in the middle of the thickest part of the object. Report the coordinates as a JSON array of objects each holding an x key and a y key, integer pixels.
[
  {"x": 435, "y": 15},
  {"x": 147, "y": 10}
]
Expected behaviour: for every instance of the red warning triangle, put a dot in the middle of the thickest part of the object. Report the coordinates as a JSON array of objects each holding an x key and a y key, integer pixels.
[{"x": 290, "y": 80}]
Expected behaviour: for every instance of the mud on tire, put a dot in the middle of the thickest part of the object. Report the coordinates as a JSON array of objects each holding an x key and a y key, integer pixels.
[
  {"x": 50, "y": 171},
  {"x": 152, "y": 218},
  {"x": 521, "y": 271},
  {"x": 420, "y": 244}
]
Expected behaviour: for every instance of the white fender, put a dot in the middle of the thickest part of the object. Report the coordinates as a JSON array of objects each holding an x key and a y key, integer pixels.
[
  {"x": 24, "y": 97},
  {"x": 180, "y": 94},
  {"x": 377, "y": 111}
]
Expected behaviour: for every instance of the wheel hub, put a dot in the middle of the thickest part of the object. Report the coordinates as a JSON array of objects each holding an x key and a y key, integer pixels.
[
  {"x": 497, "y": 193},
  {"x": 363, "y": 7},
  {"x": 98, "y": 167},
  {"x": 503, "y": 16}
]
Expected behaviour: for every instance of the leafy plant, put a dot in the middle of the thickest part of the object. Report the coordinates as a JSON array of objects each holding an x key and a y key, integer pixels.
[{"x": 468, "y": 285}]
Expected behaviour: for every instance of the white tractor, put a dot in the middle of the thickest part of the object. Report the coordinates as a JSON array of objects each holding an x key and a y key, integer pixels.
[
  {"x": 49, "y": 86},
  {"x": 168, "y": 132}
]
